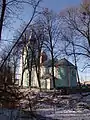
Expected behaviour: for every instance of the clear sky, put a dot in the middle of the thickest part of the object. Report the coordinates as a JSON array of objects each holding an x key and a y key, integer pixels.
[{"x": 58, "y": 5}]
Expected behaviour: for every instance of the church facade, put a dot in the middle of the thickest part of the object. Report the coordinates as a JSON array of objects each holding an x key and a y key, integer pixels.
[{"x": 64, "y": 72}]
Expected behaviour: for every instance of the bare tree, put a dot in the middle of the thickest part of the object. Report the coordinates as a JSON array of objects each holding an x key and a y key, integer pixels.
[
  {"x": 51, "y": 23},
  {"x": 11, "y": 10},
  {"x": 77, "y": 21},
  {"x": 40, "y": 36},
  {"x": 27, "y": 54},
  {"x": 34, "y": 37},
  {"x": 15, "y": 57},
  {"x": 33, "y": 14},
  {"x": 70, "y": 50}
]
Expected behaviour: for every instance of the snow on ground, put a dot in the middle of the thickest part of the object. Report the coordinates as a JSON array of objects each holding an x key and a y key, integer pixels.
[
  {"x": 48, "y": 106},
  {"x": 63, "y": 114},
  {"x": 61, "y": 107},
  {"x": 7, "y": 114},
  {"x": 66, "y": 107}
]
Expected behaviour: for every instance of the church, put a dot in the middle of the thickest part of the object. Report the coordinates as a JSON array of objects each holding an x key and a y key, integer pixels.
[{"x": 64, "y": 72}]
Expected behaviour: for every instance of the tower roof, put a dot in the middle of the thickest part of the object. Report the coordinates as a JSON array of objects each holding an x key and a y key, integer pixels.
[
  {"x": 62, "y": 62},
  {"x": 65, "y": 62}
]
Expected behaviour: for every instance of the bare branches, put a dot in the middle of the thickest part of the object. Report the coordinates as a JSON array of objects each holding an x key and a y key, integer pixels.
[{"x": 34, "y": 11}]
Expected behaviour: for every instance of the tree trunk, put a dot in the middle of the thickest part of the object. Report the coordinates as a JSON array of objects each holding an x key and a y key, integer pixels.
[
  {"x": 76, "y": 69},
  {"x": 14, "y": 74},
  {"x": 30, "y": 79},
  {"x": 38, "y": 72},
  {"x": 30, "y": 67},
  {"x": 37, "y": 65},
  {"x": 22, "y": 79},
  {"x": 2, "y": 16},
  {"x": 53, "y": 78},
  {"x": 52, "y": 56}
]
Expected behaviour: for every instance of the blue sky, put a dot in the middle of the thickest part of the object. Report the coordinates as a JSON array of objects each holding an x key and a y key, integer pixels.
[
  {"x": 58, "y": 5},
  {"x": 55, "y": 5}
]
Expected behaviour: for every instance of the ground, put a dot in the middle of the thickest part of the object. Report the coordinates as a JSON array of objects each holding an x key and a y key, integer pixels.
[{"x": 49, "y": 106}]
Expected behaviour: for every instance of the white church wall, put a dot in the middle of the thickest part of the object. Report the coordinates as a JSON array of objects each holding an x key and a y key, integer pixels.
[
  {"x": 34, "y": 82},
  {"x": 43, "y": 71},
  {"x": 48, "y": 84},
  {"x": 26, "y": 78},
  {"x": 20, "y": 71}
]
